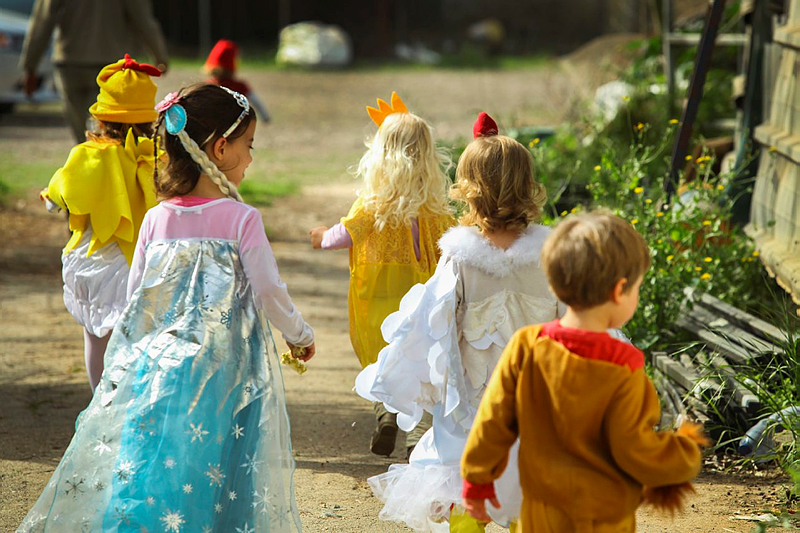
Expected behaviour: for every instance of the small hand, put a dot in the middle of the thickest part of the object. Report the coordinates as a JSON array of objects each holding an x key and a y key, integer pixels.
[
  {"x": 307, "y": 352},
  {"x": 162, "y": 67},
  {"x": 477, "y": 507},
  {"x": 43, "y": 194},
  {"x": 30, "y": 82},
  {"x": 316, "y": 236}
]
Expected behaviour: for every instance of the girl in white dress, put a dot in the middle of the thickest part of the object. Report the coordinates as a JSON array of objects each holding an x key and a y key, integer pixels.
[{"x": 449, "y": 333}]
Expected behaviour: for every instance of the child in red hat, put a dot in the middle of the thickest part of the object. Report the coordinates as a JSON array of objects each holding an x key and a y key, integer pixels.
[{"x": 221, "y": 66}]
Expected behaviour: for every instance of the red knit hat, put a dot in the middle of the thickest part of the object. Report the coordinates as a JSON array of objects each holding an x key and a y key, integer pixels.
[
  {"x": 223, "y": 55},
  {"x": 485, "y": 126}
]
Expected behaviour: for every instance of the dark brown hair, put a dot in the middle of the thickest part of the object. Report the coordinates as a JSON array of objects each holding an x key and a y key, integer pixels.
[
  {"x": 210, "y": 110},
  {"x": 587, "y": 255},
  {"x": 117, "y": 131}
]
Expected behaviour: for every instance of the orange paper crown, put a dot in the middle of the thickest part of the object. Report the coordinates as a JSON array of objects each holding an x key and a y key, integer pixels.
[{"x": 384, "y": 109}]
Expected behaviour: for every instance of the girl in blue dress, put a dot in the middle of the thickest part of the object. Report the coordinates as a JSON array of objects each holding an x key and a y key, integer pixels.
[{"x": 187, "y": 430}]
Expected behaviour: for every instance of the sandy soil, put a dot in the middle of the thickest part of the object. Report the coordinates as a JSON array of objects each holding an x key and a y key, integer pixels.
[{"x": 42, "y": 380}]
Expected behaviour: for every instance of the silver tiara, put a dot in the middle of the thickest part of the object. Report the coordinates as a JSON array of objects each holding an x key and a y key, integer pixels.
[{"x": 244, "y": 103}]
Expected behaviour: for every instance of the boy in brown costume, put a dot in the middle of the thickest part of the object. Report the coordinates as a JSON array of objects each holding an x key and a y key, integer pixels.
[{"x": 579, "y": 400}]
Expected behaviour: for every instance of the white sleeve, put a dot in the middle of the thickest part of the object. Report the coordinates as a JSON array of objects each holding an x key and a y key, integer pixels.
[{"x": 261, "y": 270}]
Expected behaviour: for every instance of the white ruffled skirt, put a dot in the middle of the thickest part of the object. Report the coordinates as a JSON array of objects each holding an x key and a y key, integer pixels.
[
  {"x": 95, "y": 287},
  {"x": 421, "y": 493}
]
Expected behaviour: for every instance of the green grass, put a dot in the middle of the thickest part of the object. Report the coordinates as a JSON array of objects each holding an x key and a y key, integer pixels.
[
  {"x": 21, "y": 177},
  {"x": 260, "y": 193}
]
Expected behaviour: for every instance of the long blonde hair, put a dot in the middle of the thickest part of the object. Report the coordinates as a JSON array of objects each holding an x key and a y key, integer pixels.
[{"x": 404, "y": 172}]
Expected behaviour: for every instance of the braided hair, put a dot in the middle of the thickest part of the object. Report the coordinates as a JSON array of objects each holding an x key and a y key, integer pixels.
[{"x": 210, "y": 110}]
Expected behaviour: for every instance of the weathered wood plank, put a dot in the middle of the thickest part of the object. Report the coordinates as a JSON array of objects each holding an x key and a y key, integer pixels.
[
  {"x": 714, "y": 341},
  {"x": 755, "y": 325},
  {"x": 722, "y": 326},
  {"x": 675, "y": 371},
  {"x": 745, "y": 400}
]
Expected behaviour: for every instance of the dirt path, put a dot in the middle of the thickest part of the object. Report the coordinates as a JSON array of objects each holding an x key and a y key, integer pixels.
[
  {"x": 42, "y": 381},
  {"x": 43, "y": 387}
]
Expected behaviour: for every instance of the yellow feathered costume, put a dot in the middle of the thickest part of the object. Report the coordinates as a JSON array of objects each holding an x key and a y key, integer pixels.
[{"x": 109, "y": 186}]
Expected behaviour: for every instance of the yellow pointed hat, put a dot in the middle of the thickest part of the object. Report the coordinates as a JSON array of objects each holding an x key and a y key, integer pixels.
[
  {"x": 384, "y": 109},
  {"x": 127, "y": 92}
]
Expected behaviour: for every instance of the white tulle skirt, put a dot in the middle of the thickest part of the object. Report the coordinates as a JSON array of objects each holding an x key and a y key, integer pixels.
[
  {"x": 420, "y": 494},
  {"x": 95, "y": 287}
]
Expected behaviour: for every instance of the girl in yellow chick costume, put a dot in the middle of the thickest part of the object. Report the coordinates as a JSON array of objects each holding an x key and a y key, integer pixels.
[
  {"x": 392, "y": 231},
  {"x": 106, "y": 186}
]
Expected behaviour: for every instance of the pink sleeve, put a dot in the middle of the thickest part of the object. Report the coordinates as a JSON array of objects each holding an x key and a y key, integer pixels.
[
  {"x": 271, "y": 293},
  {"x": 336, "y": 238}
]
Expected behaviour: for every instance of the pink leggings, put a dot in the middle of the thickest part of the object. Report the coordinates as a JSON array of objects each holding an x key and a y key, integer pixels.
[{"x": 94, "y": 349}]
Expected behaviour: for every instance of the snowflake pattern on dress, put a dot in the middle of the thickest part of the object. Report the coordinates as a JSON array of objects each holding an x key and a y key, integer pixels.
[{"x": 187, "y": 430}]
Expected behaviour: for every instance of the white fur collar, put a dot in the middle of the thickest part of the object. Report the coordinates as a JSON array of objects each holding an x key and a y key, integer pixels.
[{"x": 467, "y": 245}]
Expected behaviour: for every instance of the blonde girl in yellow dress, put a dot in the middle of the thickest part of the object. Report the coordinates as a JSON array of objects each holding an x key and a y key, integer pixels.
[{"x": 392, "y": 231}]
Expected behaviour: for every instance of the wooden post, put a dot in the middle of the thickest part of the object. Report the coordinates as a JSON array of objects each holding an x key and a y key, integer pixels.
[{"x": 702, "y": 62}]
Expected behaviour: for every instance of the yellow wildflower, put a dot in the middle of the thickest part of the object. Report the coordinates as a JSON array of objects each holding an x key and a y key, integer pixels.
[
  {"x": 688, "y": 158},
  {"x": 708, "y": 259},
  {"x": 564, "y": 213},
  {"x": 720, "y": 187},
  {"x": 706, "y": 222},
  {"x": 597, "y": 168},
  {"x": 635, "y": 221},
  {"x": 536, "y": 140},
  {"x": 698, "y": 269},
  {"x": 773, "y": 149},
  {"x": 574, "y": 210},
  {"x": 670, "y": 257},
  {"x": 756, "y": 254},
  {"x": 640, "y": 126},
  {"x": 648, "y": 201},
  {"x": 658, "y": 241},
  {"x": 660, "y": 214},
  {"x": 626, "y": 98},
  {"x": 638, "y": 190},
  {"x": 705, "y": 276}
]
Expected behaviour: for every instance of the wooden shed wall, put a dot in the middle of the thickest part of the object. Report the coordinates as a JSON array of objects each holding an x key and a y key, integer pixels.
[{"x": 775, "y": 211}]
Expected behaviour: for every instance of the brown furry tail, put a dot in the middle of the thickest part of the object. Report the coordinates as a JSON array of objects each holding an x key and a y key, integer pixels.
[
  {"x": 670, "y": 499},
  {"x": 695, "y": 432}
]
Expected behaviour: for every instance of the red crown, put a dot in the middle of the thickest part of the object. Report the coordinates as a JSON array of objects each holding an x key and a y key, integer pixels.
[{"x": 485, "y": 126}]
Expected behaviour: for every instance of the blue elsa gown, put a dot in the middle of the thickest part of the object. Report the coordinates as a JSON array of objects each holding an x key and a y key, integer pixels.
[{"x": 187, "y": 430}]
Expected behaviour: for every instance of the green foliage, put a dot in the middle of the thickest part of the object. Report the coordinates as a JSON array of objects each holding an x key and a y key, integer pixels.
[
  {"x": 690, "y": 235},
  {"x": 260, "y": 193},
  {"x": 5, "y": 190}
]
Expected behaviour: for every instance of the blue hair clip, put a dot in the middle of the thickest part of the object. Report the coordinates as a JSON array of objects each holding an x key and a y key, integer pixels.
[{"x": 175, "y": 119}]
